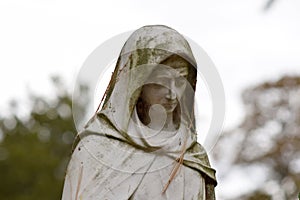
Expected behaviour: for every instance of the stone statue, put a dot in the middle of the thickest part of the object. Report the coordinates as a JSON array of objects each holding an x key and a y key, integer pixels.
[{"x": 142, "y": 143}]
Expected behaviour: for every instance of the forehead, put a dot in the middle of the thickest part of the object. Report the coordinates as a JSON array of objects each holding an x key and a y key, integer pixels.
[
  {"x": 166, "y": 72},
  {"x": 173, "y": 67}
]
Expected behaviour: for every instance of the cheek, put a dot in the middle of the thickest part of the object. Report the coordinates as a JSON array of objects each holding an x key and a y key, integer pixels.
[
  {"x": 179, "y": 88},
  {"x": 180, "y": 91},
  {"x": 154, "y": 95}
]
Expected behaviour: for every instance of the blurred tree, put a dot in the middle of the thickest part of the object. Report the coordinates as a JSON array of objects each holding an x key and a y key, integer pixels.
[
  {"x": 34, "y": 150},
  {"x": 257, "y": 195},
  {"x": 269, "y": 4},
  {"x": 267, "y": 143}
]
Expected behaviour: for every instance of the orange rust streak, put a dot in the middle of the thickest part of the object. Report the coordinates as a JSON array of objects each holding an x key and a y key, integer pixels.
[{"x": 176, "y": 167}]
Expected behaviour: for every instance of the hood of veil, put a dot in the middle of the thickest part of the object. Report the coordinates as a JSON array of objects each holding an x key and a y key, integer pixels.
[{"x": 144, "y": 49}]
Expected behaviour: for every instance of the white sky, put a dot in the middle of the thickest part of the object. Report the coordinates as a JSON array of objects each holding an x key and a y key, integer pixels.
[
  {"x": 39, "y": 38},
  {"x": 247, "y": 45}
]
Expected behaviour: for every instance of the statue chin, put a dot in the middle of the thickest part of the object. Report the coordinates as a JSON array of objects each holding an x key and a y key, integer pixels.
[{"x": 158, "y": 117}]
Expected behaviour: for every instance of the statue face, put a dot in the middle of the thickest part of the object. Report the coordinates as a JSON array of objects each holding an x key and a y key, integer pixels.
[{"x": 166, "y": 86}]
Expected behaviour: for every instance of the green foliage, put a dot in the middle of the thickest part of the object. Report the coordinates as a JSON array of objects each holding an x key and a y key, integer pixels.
[
  {"x": 35, "y": 149},
  {"x": 259, "y": 196}
]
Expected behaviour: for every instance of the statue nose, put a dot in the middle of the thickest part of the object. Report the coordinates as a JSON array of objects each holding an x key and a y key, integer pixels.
[{"x": 171, "y": 95}]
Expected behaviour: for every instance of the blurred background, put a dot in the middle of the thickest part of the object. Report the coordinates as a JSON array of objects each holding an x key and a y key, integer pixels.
[{"x": 254, "y": 44}]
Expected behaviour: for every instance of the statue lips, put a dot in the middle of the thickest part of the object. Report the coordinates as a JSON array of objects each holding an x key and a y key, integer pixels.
[{"x": 170, "y": 105}]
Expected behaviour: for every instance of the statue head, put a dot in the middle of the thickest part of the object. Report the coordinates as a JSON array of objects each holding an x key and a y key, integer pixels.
[{"x": 165, "y": 87}]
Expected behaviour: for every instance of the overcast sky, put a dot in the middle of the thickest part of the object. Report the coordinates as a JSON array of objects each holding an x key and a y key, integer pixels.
[
  {"x": 247, "y": 45},
  {"x": 39, "y": 38}
]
